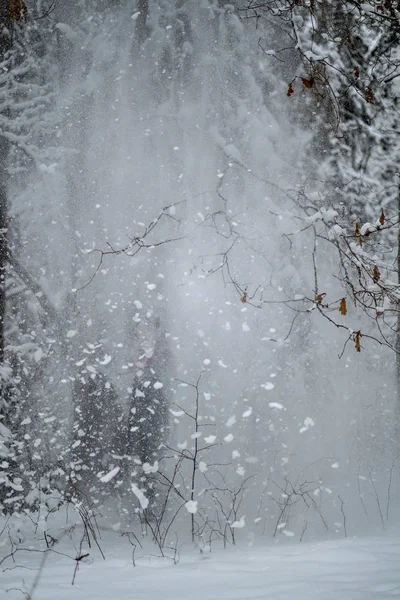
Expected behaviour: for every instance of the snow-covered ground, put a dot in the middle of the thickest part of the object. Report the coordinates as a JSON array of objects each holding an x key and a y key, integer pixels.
[{"x": 352, "y": 569}]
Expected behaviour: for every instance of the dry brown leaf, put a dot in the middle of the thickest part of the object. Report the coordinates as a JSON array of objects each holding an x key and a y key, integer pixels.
[
  {"x": 357, "y": 337},
  {"x": 357, "y": 234},
  {"x": 308, "y": 83},
  {"x": 343, "y": 307},
  {"x": 369, "y": 95},
  {"x": 319, "y": 298},
  {"x": 382, "y": 218},
  {"x": 376, "y": 274},
  {"x": 18, "y": 10},
  {"x": 290, "y": 89}
]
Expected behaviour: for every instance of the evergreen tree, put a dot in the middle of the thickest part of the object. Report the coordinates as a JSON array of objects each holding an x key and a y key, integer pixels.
[
  {"x": 96, "y": 424},
  {"x": 147, "y": 425},
  {"x": 149, "y": 402}
]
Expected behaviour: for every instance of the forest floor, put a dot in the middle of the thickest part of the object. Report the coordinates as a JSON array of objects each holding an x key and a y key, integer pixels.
[{"x": 348, "y": 569}]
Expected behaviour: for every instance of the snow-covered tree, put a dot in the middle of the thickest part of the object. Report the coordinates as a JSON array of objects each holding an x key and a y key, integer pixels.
[
  {"x": 342, "y": 63},
  {"x": 28, "y": 132},
  {"x": 147, "y": 424}
]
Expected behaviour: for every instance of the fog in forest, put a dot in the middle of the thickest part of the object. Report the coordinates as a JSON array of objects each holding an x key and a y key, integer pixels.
[{"x": 167, "y": 358}]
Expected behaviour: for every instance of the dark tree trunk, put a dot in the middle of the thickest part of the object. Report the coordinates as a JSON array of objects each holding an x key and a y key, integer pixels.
[
  {"x": 7, "y": 406},
  {"x": 148, "y": 418},
  {"x": 97, "y": 419},
  {"x": 397, "y": 343},
  {"x": 5, "y": 46},
  {"x": 141, "y": 29}
]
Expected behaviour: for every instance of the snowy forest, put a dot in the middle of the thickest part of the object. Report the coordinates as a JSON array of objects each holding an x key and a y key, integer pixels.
[{"x": 199, "y": 278}]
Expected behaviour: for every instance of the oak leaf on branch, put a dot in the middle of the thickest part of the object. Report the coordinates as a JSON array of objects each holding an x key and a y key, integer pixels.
[
  {"x": 369, "y": 95},
  {"x": 308, "y": 83},
  {"x": 376, "y": 275},
  {"x": 357, "y": 337}
]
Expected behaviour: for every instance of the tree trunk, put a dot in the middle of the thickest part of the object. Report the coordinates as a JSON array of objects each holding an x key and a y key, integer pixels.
[
  {"x": 141, "y": 29},
  {"x": 5, "y": 47},
  {"x": 397, "y": 344}
]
